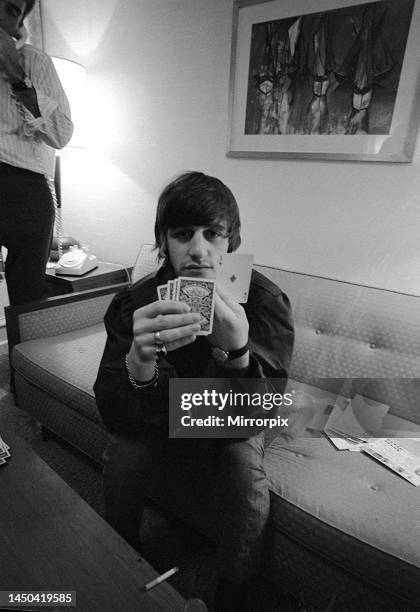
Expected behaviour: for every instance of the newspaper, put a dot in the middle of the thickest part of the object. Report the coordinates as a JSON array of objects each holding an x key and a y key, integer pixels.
[
  {"x": 359, "y": 425},
  {"x": 353, "y": 423},
  {"x": 396, "y": 458}
]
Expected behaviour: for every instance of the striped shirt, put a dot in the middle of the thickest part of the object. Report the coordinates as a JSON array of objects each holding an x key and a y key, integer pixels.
[{"x": 27, "y": 141}]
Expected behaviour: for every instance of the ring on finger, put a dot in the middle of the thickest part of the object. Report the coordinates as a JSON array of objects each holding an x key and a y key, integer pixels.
[
  {"x": 161, "y": 350},
  {"x": 158, "y": 339}
]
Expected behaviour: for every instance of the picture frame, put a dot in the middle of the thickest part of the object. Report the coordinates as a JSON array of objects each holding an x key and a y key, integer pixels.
[{"x": 353, "y": 94}]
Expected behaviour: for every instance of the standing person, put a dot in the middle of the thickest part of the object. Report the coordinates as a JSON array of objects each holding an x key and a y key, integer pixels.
[
  {"x": 34, "y": 120},
  {"x": 151, "y": 341}
]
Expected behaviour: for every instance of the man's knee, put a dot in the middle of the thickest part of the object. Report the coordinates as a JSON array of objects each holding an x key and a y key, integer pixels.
[
  {"x": 244, "y": 453},
  {"x": 124, "y": 456}
]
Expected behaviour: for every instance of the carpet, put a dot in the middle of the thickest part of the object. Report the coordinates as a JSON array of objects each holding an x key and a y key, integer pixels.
[{"x": 166, "y": 542}]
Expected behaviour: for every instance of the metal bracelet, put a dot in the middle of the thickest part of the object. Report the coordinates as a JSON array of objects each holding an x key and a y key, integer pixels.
[{"x": 136, "y": 385}]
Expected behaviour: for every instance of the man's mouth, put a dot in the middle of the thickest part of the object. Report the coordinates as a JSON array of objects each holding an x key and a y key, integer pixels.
[
  {"x": 198, "y": 267},
  {"x": 199, "y": 270}
]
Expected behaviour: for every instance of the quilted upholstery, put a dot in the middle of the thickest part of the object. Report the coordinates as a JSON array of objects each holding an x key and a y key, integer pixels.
[
  {"x": 62, "y": 318},
  {"x": 349, "y": 331},
  {"x": 89, "y": 436},
  {"x": 356, "y": 497},
  {"x": 65, "y": 366}
]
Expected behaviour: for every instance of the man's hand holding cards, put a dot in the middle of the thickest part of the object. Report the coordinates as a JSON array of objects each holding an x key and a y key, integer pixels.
[
  {"x": 233, "y": 277},
  {"x": 198, "y": 293}
]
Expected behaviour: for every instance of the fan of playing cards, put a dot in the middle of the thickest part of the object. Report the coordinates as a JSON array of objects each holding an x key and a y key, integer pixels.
[
  {"x": 233, "y": 276},
  {"x": 4, "y": 451},
  {"x": 198, "y": 293}
]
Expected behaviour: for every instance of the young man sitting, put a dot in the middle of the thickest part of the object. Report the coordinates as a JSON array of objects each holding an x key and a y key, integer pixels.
[{"x": 150, "y": 341}]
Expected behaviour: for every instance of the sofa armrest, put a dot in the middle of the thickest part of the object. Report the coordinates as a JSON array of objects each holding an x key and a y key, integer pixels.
[{"x": 57, "y": 315}]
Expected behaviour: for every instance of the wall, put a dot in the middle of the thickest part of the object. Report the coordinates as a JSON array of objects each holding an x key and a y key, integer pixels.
[{"x": 158, "y": 93}]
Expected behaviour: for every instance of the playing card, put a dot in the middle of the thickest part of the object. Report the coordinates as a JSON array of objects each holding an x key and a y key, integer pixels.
[
  {"x": 198, "y": 293},
  {"x": 163, "y": 292},
  {"x": 234, "y": 275},
  {"x": 172, "y": 289}
]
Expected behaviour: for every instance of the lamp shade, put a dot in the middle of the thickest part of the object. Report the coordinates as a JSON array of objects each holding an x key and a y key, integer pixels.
[{"x": 73, "y": 79}]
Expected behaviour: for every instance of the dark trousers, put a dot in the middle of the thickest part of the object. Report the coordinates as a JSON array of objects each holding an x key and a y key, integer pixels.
[
  {"x": 242, "y": 489},
  {"x": 26, "y": 227}
]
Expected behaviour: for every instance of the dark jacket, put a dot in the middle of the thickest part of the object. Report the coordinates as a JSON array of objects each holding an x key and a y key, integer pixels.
[{"x": 127, "y": 411}]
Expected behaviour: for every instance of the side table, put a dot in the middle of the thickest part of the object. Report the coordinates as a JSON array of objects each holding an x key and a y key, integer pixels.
[{"x": 105, "y": 274}]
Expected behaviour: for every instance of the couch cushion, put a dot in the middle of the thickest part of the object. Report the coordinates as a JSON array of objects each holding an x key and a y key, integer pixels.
[
  {"x": 373, "y": 513},
  {"x": 64, "y": 366}
]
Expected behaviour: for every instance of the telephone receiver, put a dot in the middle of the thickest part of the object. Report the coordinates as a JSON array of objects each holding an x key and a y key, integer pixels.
[
  {"x": 76, "y": 262},
  {"x": 21, "y": 37}
]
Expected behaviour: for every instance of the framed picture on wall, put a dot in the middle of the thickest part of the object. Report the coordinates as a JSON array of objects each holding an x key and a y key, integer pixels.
[{"x": 326, "y": 79}]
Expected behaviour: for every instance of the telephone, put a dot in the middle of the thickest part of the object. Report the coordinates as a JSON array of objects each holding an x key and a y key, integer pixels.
[
  {"x": 21, "y": 38},
  {"x": 76, "y": 262}
]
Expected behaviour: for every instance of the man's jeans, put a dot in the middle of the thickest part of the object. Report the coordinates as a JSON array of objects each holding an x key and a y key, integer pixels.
[{"x": 241, "y": 483}]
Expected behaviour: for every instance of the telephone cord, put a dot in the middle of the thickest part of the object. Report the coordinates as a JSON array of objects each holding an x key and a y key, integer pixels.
[{"x": 58, "y": 217}]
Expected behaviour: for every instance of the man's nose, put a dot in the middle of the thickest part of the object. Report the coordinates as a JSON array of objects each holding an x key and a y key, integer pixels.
[{"x": 198, "y": 246}]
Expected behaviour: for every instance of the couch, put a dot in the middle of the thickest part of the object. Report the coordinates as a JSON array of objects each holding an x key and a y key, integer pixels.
[{"x": 341, "y": 525}]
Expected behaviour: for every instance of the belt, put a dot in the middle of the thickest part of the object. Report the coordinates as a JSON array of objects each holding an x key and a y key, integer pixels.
[{"x": 8, "y": 170}]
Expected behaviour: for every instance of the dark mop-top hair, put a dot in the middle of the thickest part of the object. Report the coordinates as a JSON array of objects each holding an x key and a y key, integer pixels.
[{"x": 194, "y": 198}]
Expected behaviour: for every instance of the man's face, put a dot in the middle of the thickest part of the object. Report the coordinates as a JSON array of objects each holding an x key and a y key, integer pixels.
[
  {"x": 11, "y": 12},
  {"x": 195, "y": 250}
]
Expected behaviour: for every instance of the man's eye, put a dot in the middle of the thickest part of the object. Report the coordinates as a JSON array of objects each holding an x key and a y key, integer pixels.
[
  {"x": 214, "y": 234},
  {"x": 183, "y": 235}
]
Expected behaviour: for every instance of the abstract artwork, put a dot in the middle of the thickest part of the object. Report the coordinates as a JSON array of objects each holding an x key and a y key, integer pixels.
[
  {"x": 333, "y": 72},
  {"x": 302, "y": 77}
]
